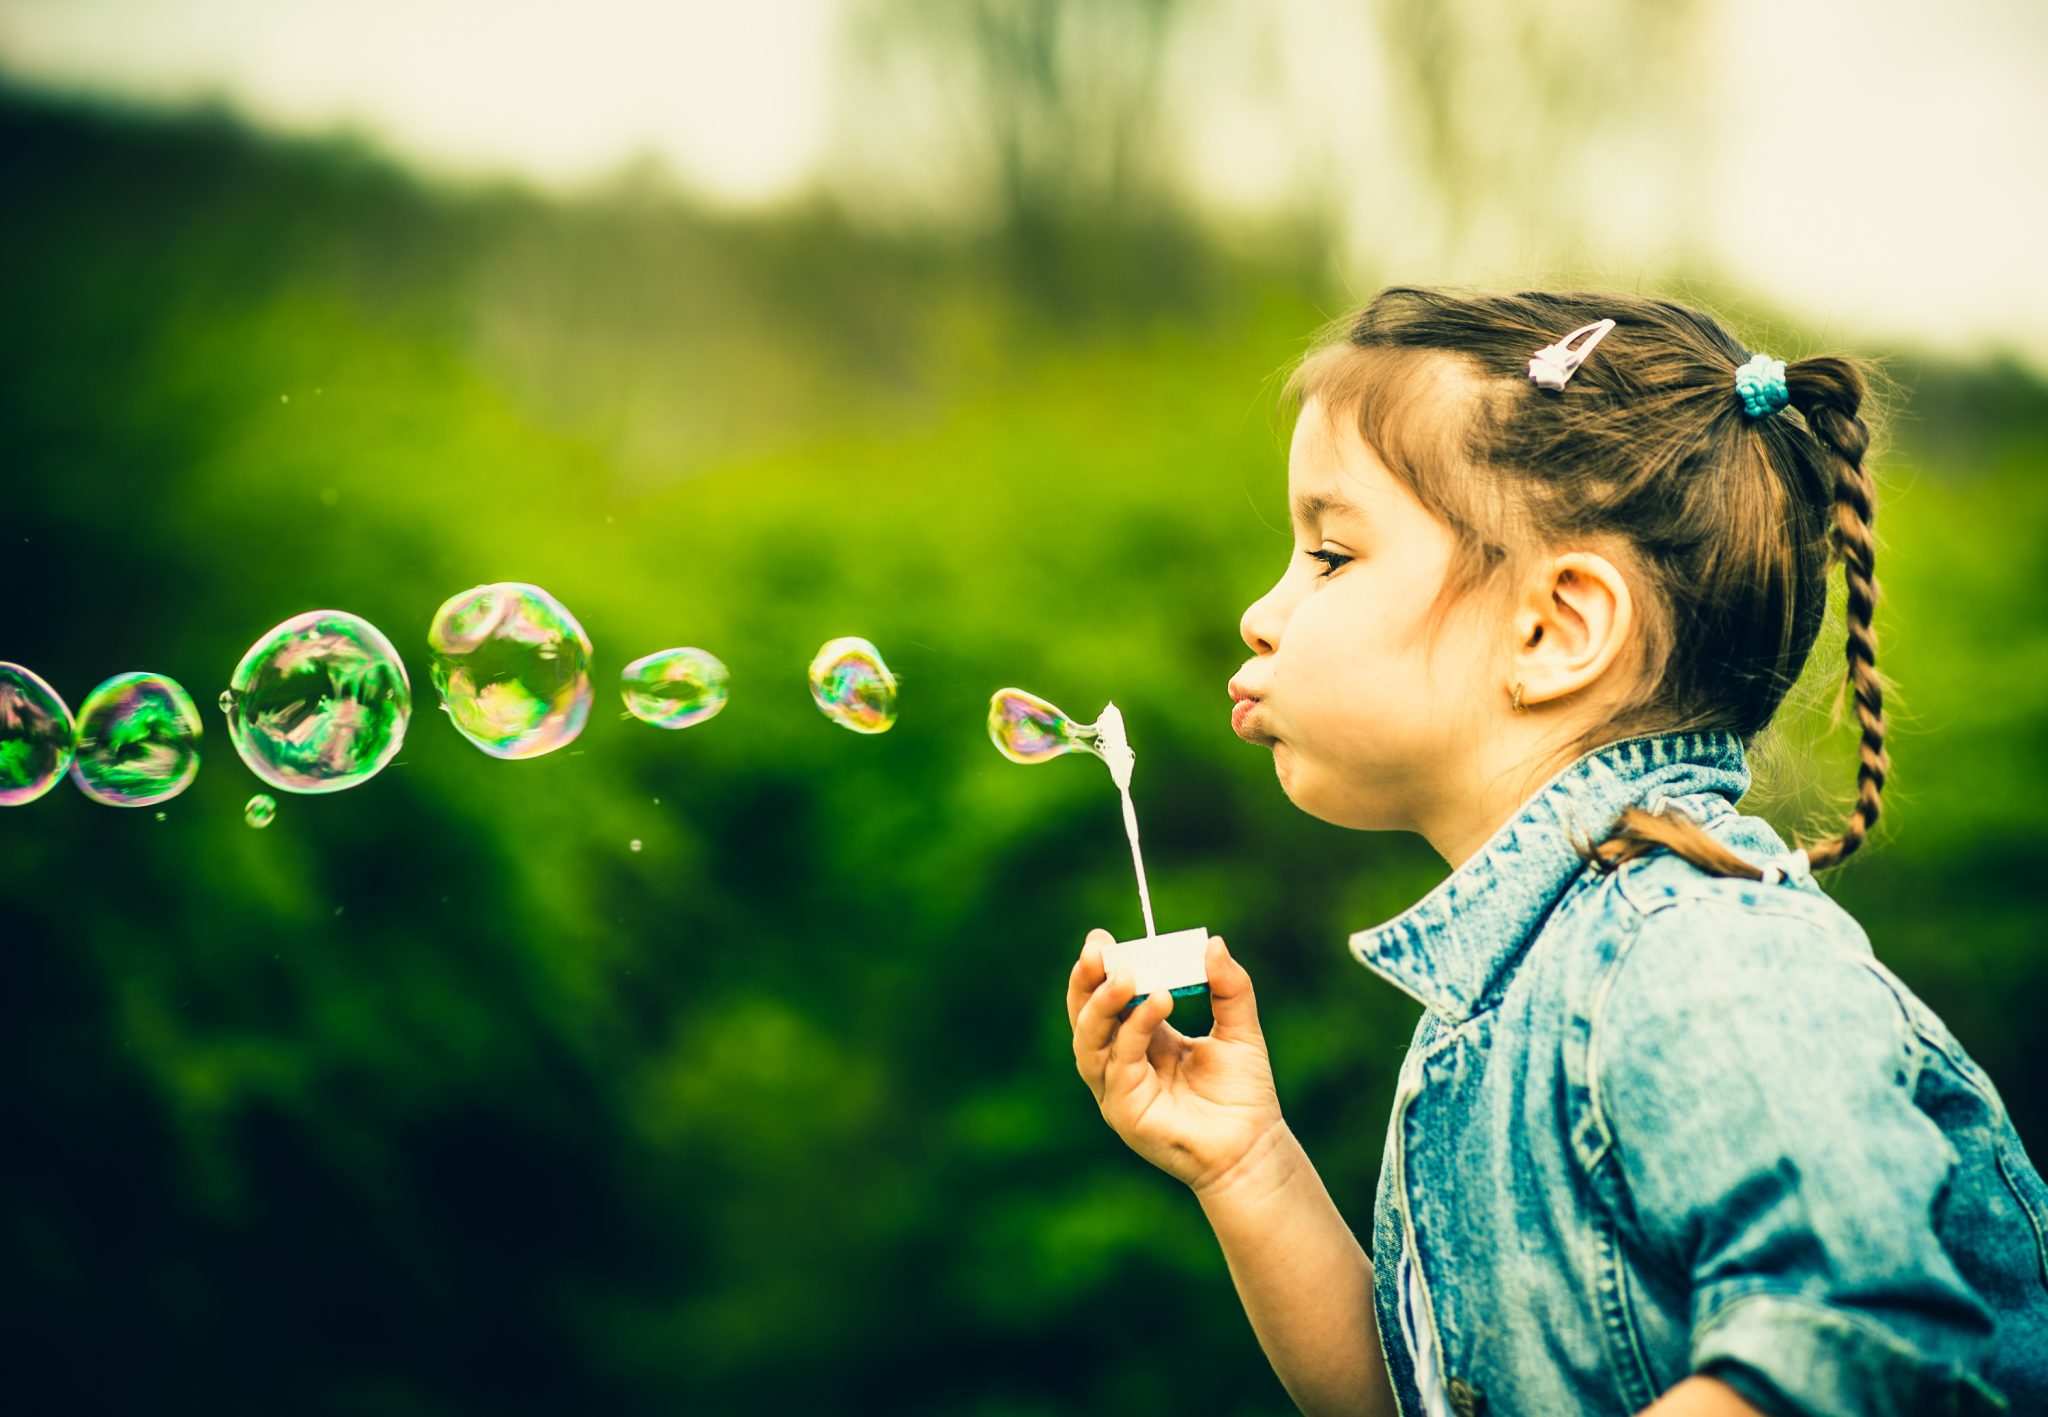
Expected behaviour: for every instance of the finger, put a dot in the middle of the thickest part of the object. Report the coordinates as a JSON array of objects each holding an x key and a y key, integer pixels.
[
  {"x": 1086, "y": 973},
  {"x": 1231, "y": 1001},
  {"x": 1092, "y": 1027},
  {"x": 1128, "y": 1063},
  {"x": 1169, "y": 1045}
]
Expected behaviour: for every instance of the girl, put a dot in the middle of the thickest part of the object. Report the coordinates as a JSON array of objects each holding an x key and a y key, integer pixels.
[{"x": 1668, "y": 1138}]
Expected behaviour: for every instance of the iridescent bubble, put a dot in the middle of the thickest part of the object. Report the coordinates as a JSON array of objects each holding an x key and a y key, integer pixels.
[
  {"x": 261, "y": 811},
  {"x": 320, "y": 703},
  {"x": 1027, "y": 729},
  {"x": 37, "y": 736},
  {"x": 674, "y": 688},
  {"x": 138, "y": 741},
  {"x": 512, "y": 667},
  {"x": 852, "y": 686},
  {"x": 634, "y": 844}
]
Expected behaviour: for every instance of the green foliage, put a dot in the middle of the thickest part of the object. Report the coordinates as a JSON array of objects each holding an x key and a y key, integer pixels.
[{"x": 435, "y": 1098}]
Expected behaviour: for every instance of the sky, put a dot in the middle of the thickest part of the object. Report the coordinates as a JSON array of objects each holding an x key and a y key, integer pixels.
[{"x": 1878, "y": 167}]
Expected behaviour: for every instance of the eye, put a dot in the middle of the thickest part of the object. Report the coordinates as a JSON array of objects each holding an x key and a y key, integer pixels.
[{"x": 1331, "y": 561}]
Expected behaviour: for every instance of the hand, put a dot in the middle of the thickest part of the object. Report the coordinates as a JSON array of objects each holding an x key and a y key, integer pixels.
[{"x": 1193, "y": 1107}]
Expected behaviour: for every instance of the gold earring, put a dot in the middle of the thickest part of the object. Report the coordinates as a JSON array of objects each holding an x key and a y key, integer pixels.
[{"x": 1518, "y": 698}]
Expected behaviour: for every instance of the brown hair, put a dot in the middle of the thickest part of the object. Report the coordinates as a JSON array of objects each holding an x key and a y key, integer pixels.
[{"x": 1731, "y": 524}]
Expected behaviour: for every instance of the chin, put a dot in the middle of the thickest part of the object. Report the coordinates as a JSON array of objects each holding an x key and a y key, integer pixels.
[
  {"x": 1324, "y": 800},
  {"x": 1302, "y": 789}
]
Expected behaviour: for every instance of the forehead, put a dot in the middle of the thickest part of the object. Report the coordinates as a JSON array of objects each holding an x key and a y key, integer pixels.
[{"x": 1330, "y": 464}]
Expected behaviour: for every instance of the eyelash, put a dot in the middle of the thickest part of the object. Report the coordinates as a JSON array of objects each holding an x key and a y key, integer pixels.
[{"x": 1330, "y": 559}]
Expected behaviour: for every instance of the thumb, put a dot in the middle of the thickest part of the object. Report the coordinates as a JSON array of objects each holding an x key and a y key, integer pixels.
[{"x": 1231, "y": 1003}]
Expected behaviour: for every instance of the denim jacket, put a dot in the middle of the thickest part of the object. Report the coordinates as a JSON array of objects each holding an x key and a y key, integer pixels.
[{"x": 1658, "y": 1122}]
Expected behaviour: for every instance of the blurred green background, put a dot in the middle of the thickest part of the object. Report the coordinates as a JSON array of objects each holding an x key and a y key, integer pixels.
[{"x": 434, "y": 1097}]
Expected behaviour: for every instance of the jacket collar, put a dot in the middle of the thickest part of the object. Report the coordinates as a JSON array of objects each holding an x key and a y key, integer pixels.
[{"x": 1450, "y": 947}]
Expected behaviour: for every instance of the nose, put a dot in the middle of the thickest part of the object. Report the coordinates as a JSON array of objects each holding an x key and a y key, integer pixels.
[{"x": 1260, "y": 624}]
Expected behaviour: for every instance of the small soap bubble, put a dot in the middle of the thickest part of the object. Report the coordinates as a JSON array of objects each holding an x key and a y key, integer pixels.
[
  {"x": 163, "y": 816},
  {"x": 319, "y": 704},
  {"x": 138, "y": 741},
  {"x": 634, "y": 844},
  {"x": 674, "y": 688},
  {"x": 226, "y": 700},
  {"x": 37, "y": 736},
  {"x": 1027, "y": 729},
  {"x": 261, "y": 811},
  {"x": 512, "y": 667},
  {"x": 852, "y": 686}
]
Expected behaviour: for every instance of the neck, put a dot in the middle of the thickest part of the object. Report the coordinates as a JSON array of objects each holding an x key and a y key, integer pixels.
[{"x": 1503, "y": 770}]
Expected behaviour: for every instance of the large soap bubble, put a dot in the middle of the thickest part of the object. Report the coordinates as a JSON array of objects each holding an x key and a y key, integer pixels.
[
  {"x": 852, "y": 686},
  {"x": 36, "y": 736},
  {"x": 138, "y": 741},
  {"x": 675, "y": 688},
  {"x": 319, "y": 704},
  {"x": 512, "y": 667}
]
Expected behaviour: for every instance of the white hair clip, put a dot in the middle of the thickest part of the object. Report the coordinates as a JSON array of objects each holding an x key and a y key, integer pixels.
[{"x": 1553, "y": 364}]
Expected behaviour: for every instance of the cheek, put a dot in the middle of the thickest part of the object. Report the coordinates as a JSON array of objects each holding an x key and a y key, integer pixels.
[{"x": 1332, "y": 638}]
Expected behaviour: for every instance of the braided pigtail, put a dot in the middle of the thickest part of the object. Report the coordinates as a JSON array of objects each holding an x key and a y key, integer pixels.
[{"x": 1829, "y": 392}]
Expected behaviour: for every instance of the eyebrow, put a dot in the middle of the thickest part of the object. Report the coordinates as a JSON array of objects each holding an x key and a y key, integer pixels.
[{"x": 1310, "y": 508}]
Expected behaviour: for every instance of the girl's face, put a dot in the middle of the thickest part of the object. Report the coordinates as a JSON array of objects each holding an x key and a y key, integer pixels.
[{"x": 1368, "y": 728}]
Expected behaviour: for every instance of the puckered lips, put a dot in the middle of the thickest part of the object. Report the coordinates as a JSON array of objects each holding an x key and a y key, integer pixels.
[{"x": 1246, "y": 706}]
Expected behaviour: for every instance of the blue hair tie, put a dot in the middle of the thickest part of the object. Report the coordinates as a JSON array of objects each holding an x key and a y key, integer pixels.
[{"x": 1761, "y": 382}]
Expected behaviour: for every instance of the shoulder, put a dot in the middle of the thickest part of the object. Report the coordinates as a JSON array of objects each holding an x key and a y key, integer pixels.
[
  {"x": 1742, "y": 985},
  {"x": 1683, "y": 980},
  {"x": 1663, "y": 897},
  {"x": 1662, "y": 923},
  {"x": 1685, "y": 931}
]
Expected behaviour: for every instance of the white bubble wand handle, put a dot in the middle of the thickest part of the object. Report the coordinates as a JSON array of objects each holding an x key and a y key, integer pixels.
[
  {"x": 1170, "y": 963},
  {"x": 1115, "y": 747}
]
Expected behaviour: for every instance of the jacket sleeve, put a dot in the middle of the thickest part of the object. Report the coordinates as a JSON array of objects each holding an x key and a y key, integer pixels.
[{"x": 1757, "y": 1084}]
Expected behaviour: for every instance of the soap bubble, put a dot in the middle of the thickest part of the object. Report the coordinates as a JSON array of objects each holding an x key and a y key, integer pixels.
[
  {"x": 1027, "y": 729},
  {"x": 512, "y": 667},
  {"x": 634, "y": 844},
  {"x": 852, "y": 686},
  {"x": 138, "y": 741},
  {"x": 675, "y": 688},
  {"x": 261, "y": 811},
  {"x": 37, "y": 736},
  {"x": 320, "y": 703}
]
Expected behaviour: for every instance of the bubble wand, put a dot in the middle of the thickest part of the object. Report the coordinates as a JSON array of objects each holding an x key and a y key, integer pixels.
[{"x": 1026, "y": 729}]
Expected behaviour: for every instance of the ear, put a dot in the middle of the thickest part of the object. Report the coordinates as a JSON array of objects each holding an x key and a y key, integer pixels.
[{"x": 1574, "y": 619}]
